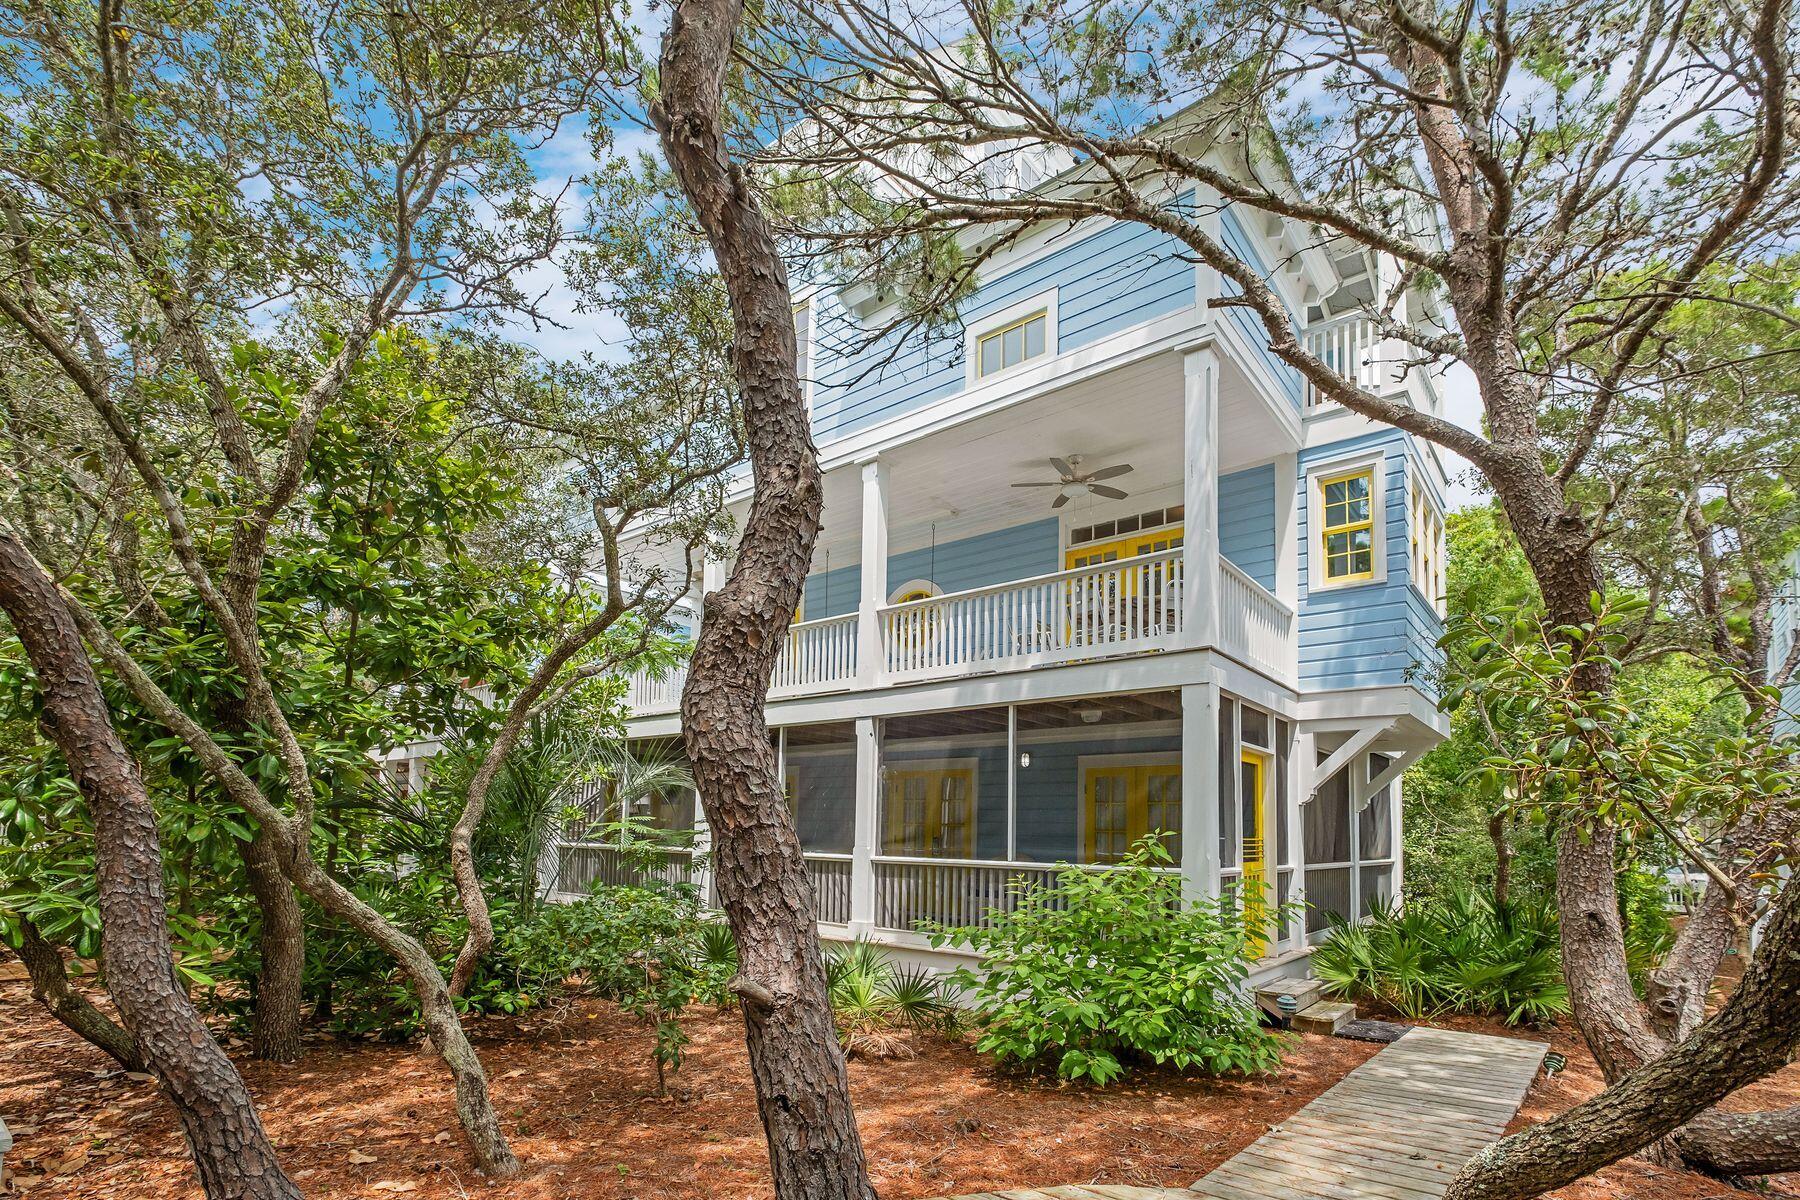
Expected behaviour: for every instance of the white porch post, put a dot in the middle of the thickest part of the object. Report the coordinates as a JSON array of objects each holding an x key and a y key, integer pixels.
[
  {"x": 868, "y": 809},
  {"x": 1200, "y": 494},
  {"x": 1199, "y": 790},
  {"x": 871, "y": 655}
]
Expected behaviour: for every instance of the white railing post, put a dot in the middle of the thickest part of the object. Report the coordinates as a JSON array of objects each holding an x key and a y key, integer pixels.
[
  {"x": 867, "y": 830},
  {"x": 1200, "y": 492},
  {"x": 871, "y": 653}
]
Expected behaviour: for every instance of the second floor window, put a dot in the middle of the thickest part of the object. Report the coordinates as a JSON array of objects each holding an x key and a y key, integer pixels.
[
  {"x": 1012, "y": 344},
  {"x": 1347, "y": 526}
]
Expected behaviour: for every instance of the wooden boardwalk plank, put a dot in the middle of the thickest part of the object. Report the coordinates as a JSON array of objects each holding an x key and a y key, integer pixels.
[{"x": 1398, "y": 1127}]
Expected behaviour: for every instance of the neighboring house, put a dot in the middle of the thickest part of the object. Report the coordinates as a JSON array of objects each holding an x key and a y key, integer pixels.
[{"x": 1094, "y": 565}]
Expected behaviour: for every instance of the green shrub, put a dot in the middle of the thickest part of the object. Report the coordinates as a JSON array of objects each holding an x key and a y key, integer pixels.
[
  {"x": 1465, "y": 953},
  {"x": 879, "y": 1005},
  {"x": 1104, "y": 969},
  {"x": 642, "y": 947}
]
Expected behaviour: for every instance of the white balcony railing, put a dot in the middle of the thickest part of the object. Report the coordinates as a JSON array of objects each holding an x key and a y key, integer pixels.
[
  {"x": 1123, "y": 607},
  {"x": 1351, "y": 346},
  {"x": 1130, "y": 606},
  {"x": 816, "y": 654},
  {"x": 1254, "y": 626}
]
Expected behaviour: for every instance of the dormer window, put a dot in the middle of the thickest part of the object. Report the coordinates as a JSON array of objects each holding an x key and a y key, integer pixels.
[{"x": 1011, "y": 337}]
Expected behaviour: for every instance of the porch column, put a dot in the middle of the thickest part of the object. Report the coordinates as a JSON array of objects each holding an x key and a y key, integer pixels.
[
  {"x": 1199, "y": 790},
  {"x": 870, "y": 654},
  {"x": 1200, "y": 494},
  {"x": 868, "y": 810}
]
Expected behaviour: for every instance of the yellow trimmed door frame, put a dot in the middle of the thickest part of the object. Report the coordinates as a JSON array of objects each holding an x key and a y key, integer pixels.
[
  {"x": 1123, "y": 798},
  {"x": 1255, "y": 768}
]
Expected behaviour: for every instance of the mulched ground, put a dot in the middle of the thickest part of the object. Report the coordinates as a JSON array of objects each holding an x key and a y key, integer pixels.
[{"x": 574, "y": 1086}]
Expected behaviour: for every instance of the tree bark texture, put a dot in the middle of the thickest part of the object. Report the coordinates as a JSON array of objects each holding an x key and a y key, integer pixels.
[
  {"x": 51, "y": 987},
  {"x": 231, "y": 1150},
  {"x": 802, "y": 1090},
  {"x": 1752, "y": 1035},
  {"x": 281, "y": 945}
]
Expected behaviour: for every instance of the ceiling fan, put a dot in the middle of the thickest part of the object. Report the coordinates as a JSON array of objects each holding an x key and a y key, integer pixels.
[{"x": 1071, "y": 482}]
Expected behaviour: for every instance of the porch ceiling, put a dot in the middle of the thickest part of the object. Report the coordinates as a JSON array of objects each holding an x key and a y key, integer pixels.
[{"x": 957, "y": 482}]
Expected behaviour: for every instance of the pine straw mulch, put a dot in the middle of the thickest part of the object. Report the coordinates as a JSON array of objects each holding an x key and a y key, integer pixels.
[{"x": 574, "y": 1087}]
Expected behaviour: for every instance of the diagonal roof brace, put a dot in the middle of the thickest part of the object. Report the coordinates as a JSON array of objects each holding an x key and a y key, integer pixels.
[{"x": 1360, "y": 739}]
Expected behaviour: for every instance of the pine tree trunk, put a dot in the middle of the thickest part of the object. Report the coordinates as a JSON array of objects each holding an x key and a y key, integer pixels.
[
  {"x": 50, "y": 985},
  {"x": 802, "y": 1090},
  {"x": 275, "y": 1026},
  {"x": 231, "y": 1150}
]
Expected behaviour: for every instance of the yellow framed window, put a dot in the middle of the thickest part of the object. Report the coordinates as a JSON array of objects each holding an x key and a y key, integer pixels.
[
  {"x": 1010, "y": 345},
  {"x": 1347, "y": 526}
]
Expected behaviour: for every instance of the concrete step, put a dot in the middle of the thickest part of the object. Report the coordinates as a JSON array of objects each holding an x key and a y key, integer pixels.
[
  {"x": 1305, "y": 992},
  {"x": 1325, "y": 1017}
]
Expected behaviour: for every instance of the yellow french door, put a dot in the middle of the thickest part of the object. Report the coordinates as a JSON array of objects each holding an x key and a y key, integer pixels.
[
  {"x": 930, "y": 812},
  {"x": 1136, "y": 604},
  {"x": 1126, "y": 802},
  {"x": 1253, "y": 771}
]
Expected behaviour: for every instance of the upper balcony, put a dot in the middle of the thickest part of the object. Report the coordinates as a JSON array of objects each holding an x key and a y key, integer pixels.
[{"x": 979, "y": 571}]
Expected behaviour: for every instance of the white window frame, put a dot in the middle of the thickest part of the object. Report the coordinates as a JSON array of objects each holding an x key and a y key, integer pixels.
[
  {"x": 807, "y": 348},
  {"x": 974, "y": 331},
  {"x": 1376, "y": 462}
]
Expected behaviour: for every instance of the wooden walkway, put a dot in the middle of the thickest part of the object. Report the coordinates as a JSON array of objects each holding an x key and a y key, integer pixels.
[{"x": 1398, "y": 1127}]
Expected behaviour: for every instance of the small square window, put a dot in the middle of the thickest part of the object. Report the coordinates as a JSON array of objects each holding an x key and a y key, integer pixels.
[
  {"x": 1012, "y": 344},
  {"x": 1174, "y": 513},
  {"x": 1128, "y": 524}
]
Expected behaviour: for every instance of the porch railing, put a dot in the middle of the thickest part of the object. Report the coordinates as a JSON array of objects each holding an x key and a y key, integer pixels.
[
  {"x": 961, "y": 892},
  {"x": 816, "y": 654},
  {"x": 645, "y": 694},
  {"x": 1254, "y": 625},
  {"x": 1349, "y": 345},
  {"x": 580, "y": 865},
  {"x": 829, "y": 875},
  {"x": 1123, "y": 607}
]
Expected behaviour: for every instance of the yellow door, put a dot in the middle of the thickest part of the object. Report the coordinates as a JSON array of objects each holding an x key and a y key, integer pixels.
[
  {"x": 930, "y": 813},
  {"x": 1125, "y": 803},
  {"x": 1254, "y": 883}
]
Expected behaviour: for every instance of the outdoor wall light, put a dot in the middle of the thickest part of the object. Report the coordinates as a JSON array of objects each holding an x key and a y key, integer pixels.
[{"x": 1024, "y": 758}]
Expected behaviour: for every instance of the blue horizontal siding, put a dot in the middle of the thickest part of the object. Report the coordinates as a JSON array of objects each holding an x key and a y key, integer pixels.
[
  {"x": 1372, "y": 634},
  {"x": 1247, "y": 522},
  {"x": 1238, "y": 241},
  {"x": 1018, "y": 552},
  {"x": 1106, "y": 282}
]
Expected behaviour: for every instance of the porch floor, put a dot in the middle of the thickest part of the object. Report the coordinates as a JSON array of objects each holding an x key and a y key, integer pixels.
[{"x": 1398, "y": 1127}]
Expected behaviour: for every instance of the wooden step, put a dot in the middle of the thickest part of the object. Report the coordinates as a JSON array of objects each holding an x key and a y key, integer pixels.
[
  {"x": 1325, "y": 1017},
  {"x": 1305, "y": 992}
]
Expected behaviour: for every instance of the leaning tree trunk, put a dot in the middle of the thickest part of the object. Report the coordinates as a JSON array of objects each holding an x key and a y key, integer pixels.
[
  {"x": 231, "y": 1150},
  {"x": 51, "y": 987},
  {"x": 1752, "y": 1035},
  {"x": 802, "y": 1090},
  {"x": 281, "y": 944}
]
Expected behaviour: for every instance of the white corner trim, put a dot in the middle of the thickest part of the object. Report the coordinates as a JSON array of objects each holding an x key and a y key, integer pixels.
[
  {"x": 1374, "y": 458},
  {"x": 975, "y": 330}
]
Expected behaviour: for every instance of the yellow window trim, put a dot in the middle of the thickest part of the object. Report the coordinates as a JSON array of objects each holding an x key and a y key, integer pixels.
[
  {"x": 1326, "y": 529},
  {"x": 982, "y": 339},
  {"x": 1130, "y": 546}
]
